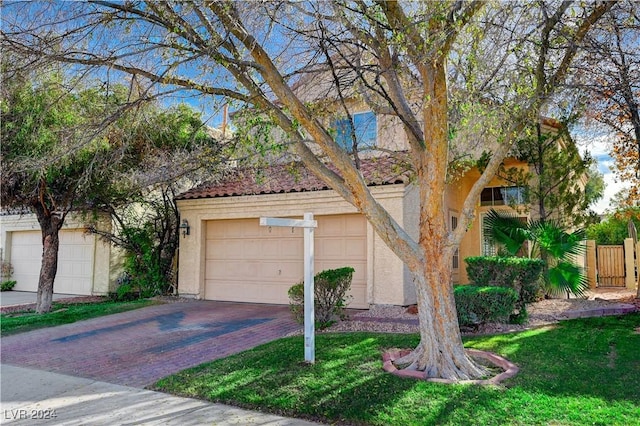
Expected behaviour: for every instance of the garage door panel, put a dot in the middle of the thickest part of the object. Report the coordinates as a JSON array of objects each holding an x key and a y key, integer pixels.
[
  {"x": 291, "y": 248},
  {"x": 330, "y": 247},
  {"x": 228, "y": 269},
  {"x": 354, "y": 226},
  {"x": 276, "y": 294},
  {"x": 356, "y": 296},
  {"x": 343, "y": 248},
  {"x": 75, "y": 261},
  {"x": 237, "y": 272},
  {"x": 355, "y": 249}
]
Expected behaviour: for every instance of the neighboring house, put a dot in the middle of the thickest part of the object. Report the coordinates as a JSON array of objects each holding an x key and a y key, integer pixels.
[
  {"x": 84, "y": 262},
  {"x": 228, "y": 256}
]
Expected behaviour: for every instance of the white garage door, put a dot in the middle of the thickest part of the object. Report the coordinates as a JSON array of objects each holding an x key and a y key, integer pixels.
[
  {"x": 75, "y": 261},
  {"x": 246, "y": 262}
]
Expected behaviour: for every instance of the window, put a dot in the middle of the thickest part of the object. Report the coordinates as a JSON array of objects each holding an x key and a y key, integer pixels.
[
  {"x": 456, "y": 255},
  {"x": 364, "y": 126},
  {"x": 490, "y": 249},
  {"x": 502, "y": 195}
]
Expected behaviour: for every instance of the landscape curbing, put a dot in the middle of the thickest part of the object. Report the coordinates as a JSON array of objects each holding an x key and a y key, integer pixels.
[
  {"x": 510, "y": 369},
  {"x": 601, "y": 312}
]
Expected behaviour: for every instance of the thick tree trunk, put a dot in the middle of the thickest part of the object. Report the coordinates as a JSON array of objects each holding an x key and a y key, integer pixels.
[
  {"x": 50, "y": 224},
  {"x": 48, "y": 270},
  {"x": 440, "y": 353}
]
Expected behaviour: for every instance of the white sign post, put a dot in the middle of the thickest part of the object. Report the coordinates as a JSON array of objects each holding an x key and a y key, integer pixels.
[{"x": 309, "y": 314}]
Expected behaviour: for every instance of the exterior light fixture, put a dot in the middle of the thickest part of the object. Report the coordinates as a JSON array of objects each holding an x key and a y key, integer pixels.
[{"x": 186, "y": 229}]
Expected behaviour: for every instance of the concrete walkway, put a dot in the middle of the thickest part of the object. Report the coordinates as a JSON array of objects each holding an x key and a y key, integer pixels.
[
  {"x": 31, "y": 397},
  {"x": 10, "y": 298}
]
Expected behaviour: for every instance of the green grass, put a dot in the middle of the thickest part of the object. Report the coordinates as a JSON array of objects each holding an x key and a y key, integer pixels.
[
  {"x": 580, "y": 372},
  {"x": 19, "y": 322}
]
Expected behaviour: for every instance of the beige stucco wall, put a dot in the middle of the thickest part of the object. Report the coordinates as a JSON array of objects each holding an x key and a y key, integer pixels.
[
  {"x": 389, "y": 281},
  {"x": 386, "y": 280},
  {"x": 101, "y": 280},
  {"x": 471, "y": 244}
]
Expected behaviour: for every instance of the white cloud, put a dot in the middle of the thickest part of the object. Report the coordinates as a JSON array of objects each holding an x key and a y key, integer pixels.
[{"x": 599, "y": 145}]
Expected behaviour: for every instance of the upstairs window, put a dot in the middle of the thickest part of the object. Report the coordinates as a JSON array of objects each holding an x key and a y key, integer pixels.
[
  {"x": 364, "y": 126},
  {"x": 502, "y": 195}
]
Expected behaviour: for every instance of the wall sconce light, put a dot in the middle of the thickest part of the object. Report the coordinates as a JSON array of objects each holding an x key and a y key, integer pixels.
[{"x": 186, "y": 229}]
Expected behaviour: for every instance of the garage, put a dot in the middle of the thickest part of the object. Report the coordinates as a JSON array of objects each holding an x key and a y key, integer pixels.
[
  {"x": 246, "y": 262},
  {"x": 75, "y": 261}
]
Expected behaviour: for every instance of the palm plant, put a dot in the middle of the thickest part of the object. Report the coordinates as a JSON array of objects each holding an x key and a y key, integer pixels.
[{"x": 550, "y": 242}]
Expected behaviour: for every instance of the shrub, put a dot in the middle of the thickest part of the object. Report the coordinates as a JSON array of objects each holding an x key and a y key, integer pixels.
[
  {"x": 125, "y": 290},
  {"x": 614, "y": 228},
  {"x": 519, "y": 273},
  {"x": 145, "y": 269},
  {"x": 7, "y": 285},
  {"x": 478, "y": 305},
  {"x": 6, "y": 271},
  {"x": 330, "y": 289}
]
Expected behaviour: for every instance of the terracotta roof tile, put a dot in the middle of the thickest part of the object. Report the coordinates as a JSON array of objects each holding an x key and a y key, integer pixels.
[{"x": 294, "y": 177}]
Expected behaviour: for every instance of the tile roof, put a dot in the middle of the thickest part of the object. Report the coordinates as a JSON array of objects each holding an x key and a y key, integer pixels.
[{"x": 294, "y": 177}]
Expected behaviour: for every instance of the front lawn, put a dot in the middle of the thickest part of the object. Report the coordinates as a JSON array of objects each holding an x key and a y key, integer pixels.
[
  {"x": 63, "y": 313},
  {"x": 576, "y": 373}
]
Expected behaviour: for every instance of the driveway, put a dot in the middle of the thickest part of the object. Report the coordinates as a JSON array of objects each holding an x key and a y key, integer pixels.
[{"x": 138, "y": 347}]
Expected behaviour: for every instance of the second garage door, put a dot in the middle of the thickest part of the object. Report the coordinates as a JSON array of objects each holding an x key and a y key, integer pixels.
[
  {"x": 246, "y": 262},
  {"x": 75, "y": 261}
]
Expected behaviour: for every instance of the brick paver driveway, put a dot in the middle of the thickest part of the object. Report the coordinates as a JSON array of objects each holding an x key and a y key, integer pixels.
[{"x": 138, "y": 347}]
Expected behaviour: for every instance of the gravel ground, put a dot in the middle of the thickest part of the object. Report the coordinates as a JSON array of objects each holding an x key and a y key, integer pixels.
[{"x": 396, "y": 319}]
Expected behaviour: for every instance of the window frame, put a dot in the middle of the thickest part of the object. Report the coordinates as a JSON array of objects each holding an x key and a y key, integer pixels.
[
  {"x": 453, "y": 224},
  {"x": 505, "y": 195},
  {"x": 343, "y": 124}
]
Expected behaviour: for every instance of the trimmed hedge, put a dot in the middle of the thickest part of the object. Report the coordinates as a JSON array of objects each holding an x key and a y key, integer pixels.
[
  {"x": 330, "y": 289},
  {"x": 519, "y": 273},
  {"x": 478, "y": 305}
]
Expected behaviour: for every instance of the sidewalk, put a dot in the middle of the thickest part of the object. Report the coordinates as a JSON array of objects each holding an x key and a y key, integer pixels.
[{"x": 38, "y": 397}]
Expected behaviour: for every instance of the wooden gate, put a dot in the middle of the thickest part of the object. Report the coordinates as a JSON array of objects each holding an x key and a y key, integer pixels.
[{"x": 611, "y": 266}]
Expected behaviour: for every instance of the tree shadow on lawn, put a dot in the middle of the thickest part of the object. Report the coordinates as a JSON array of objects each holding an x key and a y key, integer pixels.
[
  {"x": 561, "y": 367},
  {"x": 275, "y": 378},
  {"x": 597, "y": 357}
]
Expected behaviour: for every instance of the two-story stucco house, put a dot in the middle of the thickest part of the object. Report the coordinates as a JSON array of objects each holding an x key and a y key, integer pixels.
[{"x": 228, "y": 256}]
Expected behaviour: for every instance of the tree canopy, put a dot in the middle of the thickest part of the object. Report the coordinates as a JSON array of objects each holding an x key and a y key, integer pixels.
[
  {"x": 609, "y": 74},
  {"x": 72, "y": 148},
  {"x": 450, "y": 75}
]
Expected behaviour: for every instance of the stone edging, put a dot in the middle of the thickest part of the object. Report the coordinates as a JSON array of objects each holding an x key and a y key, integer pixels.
[
  {"x": 510, "y": 369},
  {"x": 621, "y": 309}
]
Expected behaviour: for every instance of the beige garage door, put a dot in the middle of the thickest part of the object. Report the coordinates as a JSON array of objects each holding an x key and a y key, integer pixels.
[
  {"x": 246, "y": 262},
  {"x": 75, "y": 260}
]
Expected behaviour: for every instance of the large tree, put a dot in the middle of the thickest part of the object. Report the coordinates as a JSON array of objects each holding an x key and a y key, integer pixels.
[
  {"x": 73, "y": 149},
  {"x": 489, "y": 68},
  {"x": 47, "y": 164},
  {"x": 610, "y": 78}
]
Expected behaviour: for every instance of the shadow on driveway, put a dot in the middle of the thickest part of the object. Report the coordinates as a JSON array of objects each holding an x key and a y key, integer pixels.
[{"x": 136, "y": 348}]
